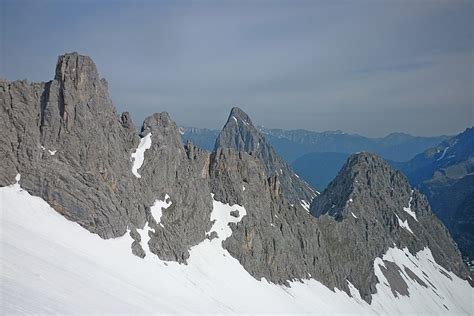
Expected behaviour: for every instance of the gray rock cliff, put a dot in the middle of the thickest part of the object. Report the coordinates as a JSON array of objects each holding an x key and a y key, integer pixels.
[
  {"x": 72, "y": 149},
  {"x": 240, "y": 134}
]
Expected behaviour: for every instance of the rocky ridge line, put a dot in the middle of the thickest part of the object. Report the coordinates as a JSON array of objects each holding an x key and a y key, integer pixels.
[{"x": 73, "y": 150}]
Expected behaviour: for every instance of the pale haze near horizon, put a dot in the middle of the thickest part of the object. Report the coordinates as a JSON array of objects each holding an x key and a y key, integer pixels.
[{"x": 362, "y": 67}]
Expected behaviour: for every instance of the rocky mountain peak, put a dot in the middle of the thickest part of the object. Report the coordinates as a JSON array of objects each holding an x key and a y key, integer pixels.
[
  {"x": 363, "y": 166},
  {"x": 363, "y": 172},
  {"x": 238, "y": 115},
  {"x": 164, "y": 130},
  {"x": 158, "y": 121},
  {"x": 76, "y": 68},
  {"x": 241, "y": 135}
]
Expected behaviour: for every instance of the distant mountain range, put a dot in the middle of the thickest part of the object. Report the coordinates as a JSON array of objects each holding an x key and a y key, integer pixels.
[
  {"x": 293, "y": 144},
  {"x": 445, "y": 173},
  {"x": 318, "y": 156},
  {"x": 319, "y": 168}
]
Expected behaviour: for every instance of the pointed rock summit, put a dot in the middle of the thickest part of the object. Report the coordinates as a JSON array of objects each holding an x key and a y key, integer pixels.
[
  {"x": 363, "y": 172},
  {"x": 76, "y": 68},
  {"x": 384, "y": 210},
  {"x": 240, "y": 134},
  {"x": 240, "y": 115},
  {"x": 70, "y": 127}
]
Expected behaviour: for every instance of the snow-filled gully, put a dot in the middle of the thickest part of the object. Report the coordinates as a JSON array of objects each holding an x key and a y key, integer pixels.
[{"x": 138, "y": 156}]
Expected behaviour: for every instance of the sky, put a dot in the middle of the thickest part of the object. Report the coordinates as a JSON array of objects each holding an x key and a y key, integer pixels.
[{"x": 367, "y": 67}]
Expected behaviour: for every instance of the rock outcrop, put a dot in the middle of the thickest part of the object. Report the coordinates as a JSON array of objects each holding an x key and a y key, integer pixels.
[
  {"x": 182, "y": 173},
  {"x": 374, "y": 208},
  {"x": 70, "y": 146},
  {"x": 72, "y": 149},
  {"x": 240, "y": 134}
]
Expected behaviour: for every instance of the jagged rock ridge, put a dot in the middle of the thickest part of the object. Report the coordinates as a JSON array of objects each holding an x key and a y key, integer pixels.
[
  {"x": 240, "y": 134},
  {"x": 74, "y": 151}
]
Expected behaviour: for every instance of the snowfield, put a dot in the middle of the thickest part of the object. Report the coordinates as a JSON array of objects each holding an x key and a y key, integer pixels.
[{"x": 52, "y": 265}]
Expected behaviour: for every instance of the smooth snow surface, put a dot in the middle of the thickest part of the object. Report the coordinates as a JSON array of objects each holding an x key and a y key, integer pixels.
[
  {"x": 139, "y": 155},
  {"x": 157, "y": 208},
  {"x": 445, "y": 293},
  {"x": 52, "y": 265}
]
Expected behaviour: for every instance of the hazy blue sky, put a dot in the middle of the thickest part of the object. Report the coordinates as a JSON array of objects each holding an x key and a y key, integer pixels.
[{"x": 371, "y": 67}]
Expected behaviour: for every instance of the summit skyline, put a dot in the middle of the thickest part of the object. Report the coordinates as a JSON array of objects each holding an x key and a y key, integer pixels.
[{"x": 371, "y": 68}]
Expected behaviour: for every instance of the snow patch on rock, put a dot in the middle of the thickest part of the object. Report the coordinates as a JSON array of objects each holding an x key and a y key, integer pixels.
[
  {"x": 443, "y": 154},
  {"x": 157, "y": 208},
  {"x": 305, "y": 205},
  {"x": 408, "y": 209},
  {"x": 139, "y": 155},
  {"x": 51, "y": 152},
  {"x": 404, "y": 224}
]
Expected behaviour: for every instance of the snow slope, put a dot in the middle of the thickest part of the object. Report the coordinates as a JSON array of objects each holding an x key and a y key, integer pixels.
[
  {"x": 49, "y": 264},
  {"x": 444, "y": 292}
]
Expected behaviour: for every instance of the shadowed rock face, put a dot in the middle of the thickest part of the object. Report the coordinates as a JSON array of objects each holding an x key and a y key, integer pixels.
[
  {"x": 445, "y": 173},
  {"x": 240, "y": 134},
  {"x": 368, "y": 200},
  {"x": 72, "y": 149}
]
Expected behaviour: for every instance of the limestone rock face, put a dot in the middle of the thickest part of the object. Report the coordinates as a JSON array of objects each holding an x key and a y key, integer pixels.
[
  {"x": 72, "y": 149},
  {"x": 240, "y": 134},
  {"x": 373, "y": 208},
  {"x": 357, "y": 219},
  {"x": 91, "y": 165},
  {"x": 181, "y": 172},
  {"x": 70, "y": 146}
]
